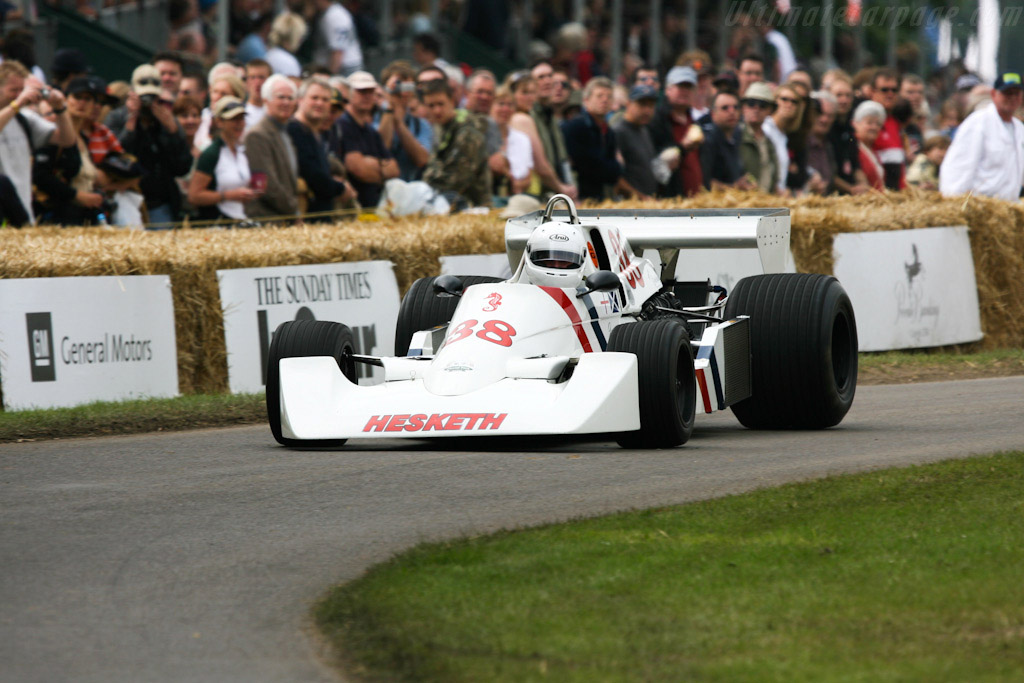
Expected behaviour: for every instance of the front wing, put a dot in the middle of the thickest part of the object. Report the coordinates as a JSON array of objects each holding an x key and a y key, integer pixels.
[{"x": 319, "y": 402}]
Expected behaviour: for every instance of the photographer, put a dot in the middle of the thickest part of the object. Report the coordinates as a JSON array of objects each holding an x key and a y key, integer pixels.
[
  {"x": 409, "y": 137},
  {"x": 153, "y": 136}
]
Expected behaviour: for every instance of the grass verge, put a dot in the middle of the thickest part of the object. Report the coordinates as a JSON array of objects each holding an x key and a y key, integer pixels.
[
  {"x": 130, "y": 417},
  {"x": 907, "y": 574},
  {"x": 930, "y": 365}
]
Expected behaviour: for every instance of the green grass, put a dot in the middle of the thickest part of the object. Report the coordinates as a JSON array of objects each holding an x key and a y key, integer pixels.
[
  {"x": 104, "y": 418},
  {"x": 941, "y": 358},
  {"x": 914, "y": 574}
]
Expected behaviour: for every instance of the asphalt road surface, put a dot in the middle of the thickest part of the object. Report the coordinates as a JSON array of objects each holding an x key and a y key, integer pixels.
[{"x": 195, "y": 556}]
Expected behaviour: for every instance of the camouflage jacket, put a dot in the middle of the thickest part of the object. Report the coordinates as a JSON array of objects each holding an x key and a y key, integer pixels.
[{"x": 459, "y": 162}]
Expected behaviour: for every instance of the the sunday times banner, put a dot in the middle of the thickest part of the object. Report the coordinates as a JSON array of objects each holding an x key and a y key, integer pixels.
[
  {"x": 362, "y": 295},
  {"x": 65, "y": 341},
  {"x": 910, "y": 288}
]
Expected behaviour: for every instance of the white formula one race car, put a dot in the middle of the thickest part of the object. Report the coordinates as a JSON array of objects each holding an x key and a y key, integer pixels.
[{"x": 585, "y": 338}]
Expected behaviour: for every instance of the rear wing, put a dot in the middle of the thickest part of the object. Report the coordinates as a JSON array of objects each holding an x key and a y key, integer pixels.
[{"x": 765, "y": 229}]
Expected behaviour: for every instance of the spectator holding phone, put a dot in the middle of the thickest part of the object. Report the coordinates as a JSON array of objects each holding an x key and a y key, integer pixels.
[{"x": 221, "y": 181}]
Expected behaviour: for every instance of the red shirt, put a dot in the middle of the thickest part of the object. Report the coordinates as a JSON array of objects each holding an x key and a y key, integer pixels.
[{"x": 691, "y": 176}]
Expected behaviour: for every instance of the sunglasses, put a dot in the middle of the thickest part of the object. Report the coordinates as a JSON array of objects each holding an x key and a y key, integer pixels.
[
  {"x": 758, "y": 104},
  {"x": 148, "y": 81},
  {"x": 788, "y": 100},
  {"x": 888, "y": 90}
]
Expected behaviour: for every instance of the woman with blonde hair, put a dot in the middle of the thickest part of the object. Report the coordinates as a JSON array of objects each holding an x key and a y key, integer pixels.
[
  {"x": 222, "y": 84},
  {"x": 286, "y": 35},
  {"x": 524, "y": 94}
]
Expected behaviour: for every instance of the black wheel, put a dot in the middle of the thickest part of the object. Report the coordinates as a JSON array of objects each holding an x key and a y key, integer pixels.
[
  {"x": 422, "y": 309},
  {"x": 298, "y": 339},
  {"x": 668, "y": 389},
  {"x": 803, "y": 341}
]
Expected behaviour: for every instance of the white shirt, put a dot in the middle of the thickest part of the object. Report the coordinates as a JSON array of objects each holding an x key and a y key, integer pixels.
[
  {"x": 16, "y": 153},
  {"x": 519, "y": 154},
  {"x": 253, "y": 115},
  {"x": 283, "y": 62},
  {"x": 780, "y": 141},
  {"x": 783, "y": 52},
  {"x": 986, "y": 157},
  {"x": 232, "y": 172},
  {"x": 338, "y": 32}
]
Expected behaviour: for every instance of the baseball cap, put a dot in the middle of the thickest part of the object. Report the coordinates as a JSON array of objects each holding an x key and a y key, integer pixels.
[
  {"x": 362, "y": 80},
  {"x": 1008, "y": 81},
  {"x": 146, "y": 80},
  {"x": 228, "y": 108},
  {"x": 100, "y": 90},
  {"x": 79, "y": 85},
  {"x": 727, "y": 79},
  {"x": 642, "y": 92},
  {"x": 681, "y": 74},
  {"x": 967, "y": 81}
]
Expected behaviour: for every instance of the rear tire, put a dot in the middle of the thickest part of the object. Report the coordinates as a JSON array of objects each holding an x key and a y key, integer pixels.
[
  {"x": 666, "y": 382},
  {"x": 421, "y": 309},
  {"x": 803, "y": 340},
  {"x": 300, "y": 339}
]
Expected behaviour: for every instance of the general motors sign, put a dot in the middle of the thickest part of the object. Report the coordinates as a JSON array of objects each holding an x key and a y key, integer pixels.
[{"x": 65, "y": 341}]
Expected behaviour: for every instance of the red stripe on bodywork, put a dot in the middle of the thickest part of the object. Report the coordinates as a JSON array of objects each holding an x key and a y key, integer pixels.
[
  {"x": 570, "y": 310},
  {"x": 704, "y": 391}
]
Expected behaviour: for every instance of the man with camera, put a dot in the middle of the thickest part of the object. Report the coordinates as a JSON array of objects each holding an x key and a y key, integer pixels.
[
  {"x": 153, "y": 135},
  {"x": 21, "y": 132},
  {"x": 409, "y": 137}
]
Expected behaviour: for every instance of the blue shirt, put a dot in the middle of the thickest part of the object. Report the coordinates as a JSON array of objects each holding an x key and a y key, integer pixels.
[{"x": 424, "y": 134}]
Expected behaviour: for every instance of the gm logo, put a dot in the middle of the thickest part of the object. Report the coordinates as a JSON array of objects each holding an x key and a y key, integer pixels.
[{"x": 40, "y": 347}]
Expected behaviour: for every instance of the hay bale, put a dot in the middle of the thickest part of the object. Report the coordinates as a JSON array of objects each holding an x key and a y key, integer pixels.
[{"x": 191, "y": 257}]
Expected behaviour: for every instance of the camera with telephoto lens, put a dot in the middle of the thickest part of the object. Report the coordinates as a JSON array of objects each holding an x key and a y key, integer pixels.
[
  {"x": 402, "y": 87},
  {"x": 147, "y": 100}
]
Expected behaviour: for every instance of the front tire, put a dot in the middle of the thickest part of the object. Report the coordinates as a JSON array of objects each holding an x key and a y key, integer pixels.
[
  {"x": 666, "y": 382},
  {"x": 421, "y": 309},
  {"x": 803, "y": 340},
  {"x": 300, "y": 339}
]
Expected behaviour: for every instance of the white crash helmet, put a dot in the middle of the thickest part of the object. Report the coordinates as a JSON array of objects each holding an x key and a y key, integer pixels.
[{"x": 555, "y": 254}]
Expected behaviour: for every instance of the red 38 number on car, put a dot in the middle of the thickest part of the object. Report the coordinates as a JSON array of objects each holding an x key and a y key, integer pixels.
[{"x": 495, "y": 331}]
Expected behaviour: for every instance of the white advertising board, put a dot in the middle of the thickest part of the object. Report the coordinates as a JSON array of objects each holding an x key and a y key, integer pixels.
[
  {"x": 910, "y": 288},
  {"x": 65, "y": 341},
  {"x": 362, "y": 295},
  {"x": 494, "y": 265}
]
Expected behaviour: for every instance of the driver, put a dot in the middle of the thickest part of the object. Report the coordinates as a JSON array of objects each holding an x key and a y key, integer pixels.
[{"x": 555, "y": 255}]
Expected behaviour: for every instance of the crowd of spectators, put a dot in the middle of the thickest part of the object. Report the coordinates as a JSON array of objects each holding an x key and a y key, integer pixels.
[{"x": 263, "y": 137}]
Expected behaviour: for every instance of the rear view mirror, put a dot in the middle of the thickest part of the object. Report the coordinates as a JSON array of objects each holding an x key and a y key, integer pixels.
[
  {"x": 600, "y": 281},
  {"x": 448, "y": 285}
]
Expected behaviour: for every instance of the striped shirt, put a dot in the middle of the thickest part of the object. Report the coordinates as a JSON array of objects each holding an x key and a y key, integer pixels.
[{"x": 102, "y": 142}]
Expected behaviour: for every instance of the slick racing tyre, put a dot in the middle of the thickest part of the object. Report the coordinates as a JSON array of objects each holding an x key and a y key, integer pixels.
[
  {"x": 668, "y": 389},
  {"x": 803, "y": 341},
  {"x": 421, "y": 309},
  {"x": 299, "y": 339}
]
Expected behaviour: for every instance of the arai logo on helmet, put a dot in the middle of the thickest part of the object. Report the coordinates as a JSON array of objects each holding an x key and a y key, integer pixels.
[{"x": 557, "y": 237}]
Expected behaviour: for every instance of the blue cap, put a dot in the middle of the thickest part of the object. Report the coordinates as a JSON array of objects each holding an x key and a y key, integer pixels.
[
  {"x": 642, "y": 92},
  {"x": 1007, "y": 81}
]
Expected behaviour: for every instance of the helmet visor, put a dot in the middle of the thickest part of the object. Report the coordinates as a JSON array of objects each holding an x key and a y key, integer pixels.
[{"x": 557, "y": 258}]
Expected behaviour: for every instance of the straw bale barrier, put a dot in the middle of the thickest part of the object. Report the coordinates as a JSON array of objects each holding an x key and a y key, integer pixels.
[{"x": 192, "y": 257}]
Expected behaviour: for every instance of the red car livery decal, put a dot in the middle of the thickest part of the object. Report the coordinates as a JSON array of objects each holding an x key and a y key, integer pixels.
[
  {"x": 493, "y": 301},
  {"x": 438, "y": 422}
]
